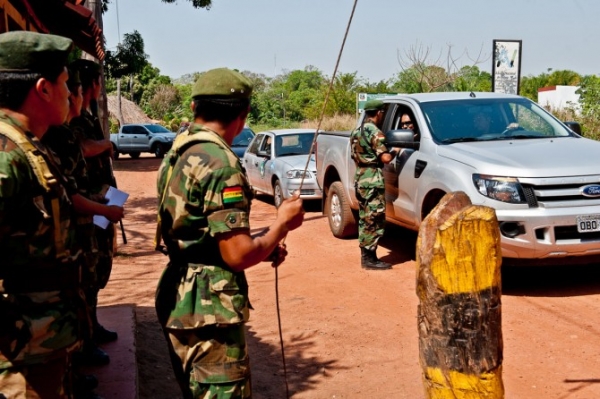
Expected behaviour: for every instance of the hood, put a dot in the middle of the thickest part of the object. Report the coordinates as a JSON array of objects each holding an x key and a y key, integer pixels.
[
  {"x": 559, "y": 156},
  {"x": 298, "y": 162}
]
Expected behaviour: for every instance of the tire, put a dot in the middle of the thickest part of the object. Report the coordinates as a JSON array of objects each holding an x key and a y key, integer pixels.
[
  {"x": 115, "y": 152},
  {"x": 342, "y": 220},
  {"x": 159, "y": 150},
  {"x": 134, "y": 155},
  {"x": 277, "y": 194}
]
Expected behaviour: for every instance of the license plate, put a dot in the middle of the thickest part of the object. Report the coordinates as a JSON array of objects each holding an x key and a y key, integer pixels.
[{"x": 588, "y": 223}]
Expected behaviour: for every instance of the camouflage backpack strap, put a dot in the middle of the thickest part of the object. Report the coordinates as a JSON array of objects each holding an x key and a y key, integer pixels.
[
  {"x": 44, "y": 176},
  {"x": 181, "y": 143}
]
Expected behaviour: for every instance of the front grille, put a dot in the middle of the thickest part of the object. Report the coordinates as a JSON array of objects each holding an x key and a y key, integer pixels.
[
  {"x": 306, "y": 191},
  {"x": 559, "y": 192},
  {"x": 571, "y": 233}
]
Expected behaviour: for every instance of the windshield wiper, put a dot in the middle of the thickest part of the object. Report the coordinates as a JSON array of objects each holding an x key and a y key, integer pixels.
[{"x": 461, "y": 140}]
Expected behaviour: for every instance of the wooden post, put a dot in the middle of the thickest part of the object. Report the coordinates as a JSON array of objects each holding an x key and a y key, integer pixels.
[{"x": 459, "y": 315}]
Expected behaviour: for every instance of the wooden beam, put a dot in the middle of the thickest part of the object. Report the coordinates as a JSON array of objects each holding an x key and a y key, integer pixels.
[{"x": 459, "y": 315}]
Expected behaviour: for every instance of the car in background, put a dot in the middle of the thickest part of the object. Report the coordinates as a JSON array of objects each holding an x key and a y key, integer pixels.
[
  {"x": 135, "y": 138},
  {"x": 241, "y": 141},
  {"x": 275, "y": 163}
]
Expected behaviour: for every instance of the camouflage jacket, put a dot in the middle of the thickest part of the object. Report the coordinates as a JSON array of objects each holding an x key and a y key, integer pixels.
[
  {"x": 207, "y": 194},
  {"x": 100, "y": 172},
  {"x": 40, "y": 267},
  {"x": 66, "y": 147},
  {"x": 367, "y": 146}
]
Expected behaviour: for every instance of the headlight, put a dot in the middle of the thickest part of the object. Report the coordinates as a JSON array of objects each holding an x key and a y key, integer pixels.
[
  {"x": 505, "y": 189},
  {"x": 297, "y": 174}
]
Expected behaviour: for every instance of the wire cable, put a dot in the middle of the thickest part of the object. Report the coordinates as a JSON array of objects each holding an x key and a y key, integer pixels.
[{"x": 275, "y": 263}]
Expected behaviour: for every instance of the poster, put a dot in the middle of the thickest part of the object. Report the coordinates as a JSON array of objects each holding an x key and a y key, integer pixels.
[{"x": 506, "y": 67}]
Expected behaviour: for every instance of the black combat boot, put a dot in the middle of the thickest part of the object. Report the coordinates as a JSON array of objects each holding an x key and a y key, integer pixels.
[{"x": 368, "y": 260}]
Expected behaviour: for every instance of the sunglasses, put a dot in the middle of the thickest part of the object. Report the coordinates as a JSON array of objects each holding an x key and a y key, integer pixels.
[{"x": 406, "y": 123}]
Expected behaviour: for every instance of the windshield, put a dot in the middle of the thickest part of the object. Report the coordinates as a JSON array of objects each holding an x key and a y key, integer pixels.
[
  {"x": 157, "y": 129},
  {"x": 490, "y": 119},
  {"x": 293, "y": 144},
  {"x": 244, "y": 138}
]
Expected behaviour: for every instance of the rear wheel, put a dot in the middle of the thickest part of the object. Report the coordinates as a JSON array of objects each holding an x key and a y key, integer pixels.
[
  {"x": 342, "y": 221},
  {"x": 115, "y": 152},
  {"x": 134, "y": 155},
  {"x": 277, "y": 194}
]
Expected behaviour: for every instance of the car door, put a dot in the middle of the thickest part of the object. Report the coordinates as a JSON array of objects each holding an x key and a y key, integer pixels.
[
  {"x": 124, "y": 138},
  {"x": 251, "y": 161},
  {"x": 402, "y": 174},
  {"x": 139, "y": 138}
]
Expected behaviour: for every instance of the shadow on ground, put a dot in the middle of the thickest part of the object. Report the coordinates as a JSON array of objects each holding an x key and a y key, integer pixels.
[{"x": 266, "y": 364}]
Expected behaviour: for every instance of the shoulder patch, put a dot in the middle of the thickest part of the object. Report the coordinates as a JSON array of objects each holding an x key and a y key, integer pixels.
[{"x": 232, "y": 194}]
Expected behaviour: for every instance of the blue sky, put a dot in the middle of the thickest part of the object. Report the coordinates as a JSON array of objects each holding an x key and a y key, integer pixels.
[{"x": 274, "y": 36}]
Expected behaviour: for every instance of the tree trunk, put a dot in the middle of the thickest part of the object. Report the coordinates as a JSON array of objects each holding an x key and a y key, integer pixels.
[
  {"x": 96, "y": 7},
  {"x": 459, "y": 315},
  {"x": 119, "y": 109}
]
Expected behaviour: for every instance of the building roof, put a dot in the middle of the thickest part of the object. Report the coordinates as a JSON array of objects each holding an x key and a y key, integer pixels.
[{"x": 67, "y": 18}]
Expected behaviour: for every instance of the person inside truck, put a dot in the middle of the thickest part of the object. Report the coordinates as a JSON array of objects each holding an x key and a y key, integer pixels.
[{"x": 407, "y": 122}]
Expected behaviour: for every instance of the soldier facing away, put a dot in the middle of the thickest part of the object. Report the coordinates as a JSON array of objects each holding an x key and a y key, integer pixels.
[
  {"x": 204, "y": 205},
  {"x": 40, "y": 273}
]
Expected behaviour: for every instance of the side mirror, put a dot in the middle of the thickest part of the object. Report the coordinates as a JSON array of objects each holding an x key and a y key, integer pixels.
[
  {"x": 401, "y": 138},
  {"x": 263, "y": 153},
  {"x": 574, "y": 126}
]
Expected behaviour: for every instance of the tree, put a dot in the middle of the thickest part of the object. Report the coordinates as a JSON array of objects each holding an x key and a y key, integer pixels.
[
  {"x": 129, "y": 59},
  {"x": 422, "y": 73}
]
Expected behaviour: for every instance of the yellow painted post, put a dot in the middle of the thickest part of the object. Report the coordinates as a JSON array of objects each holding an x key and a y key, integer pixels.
[{"x": 459, "y": 288}]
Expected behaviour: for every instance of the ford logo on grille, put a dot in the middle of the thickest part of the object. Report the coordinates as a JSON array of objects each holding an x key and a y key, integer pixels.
[{"x": 591, "y": 190}]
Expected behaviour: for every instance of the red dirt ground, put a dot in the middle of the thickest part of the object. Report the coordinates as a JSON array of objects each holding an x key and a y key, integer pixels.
[{"x": 351, "y": 333}]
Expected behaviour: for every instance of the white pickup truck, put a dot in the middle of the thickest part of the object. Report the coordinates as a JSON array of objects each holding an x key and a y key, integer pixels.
[{"x": 503, "y": 151}]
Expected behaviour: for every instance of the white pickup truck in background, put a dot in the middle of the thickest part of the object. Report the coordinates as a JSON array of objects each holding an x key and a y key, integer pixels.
[{"x": 542, "y": 179}]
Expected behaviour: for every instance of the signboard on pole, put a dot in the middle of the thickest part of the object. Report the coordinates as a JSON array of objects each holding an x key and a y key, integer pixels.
[
  {"x": 362, "y": 98},
  {"x": 506, "y": 67}
]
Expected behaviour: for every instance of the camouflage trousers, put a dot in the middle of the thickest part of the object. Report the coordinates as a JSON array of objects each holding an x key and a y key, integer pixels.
[
  {"x": 371, "y": 213},
  {"x": 211, "y": 362},
  {"x": 105, "y": 239},
  {"x": 51, "y": 380}
]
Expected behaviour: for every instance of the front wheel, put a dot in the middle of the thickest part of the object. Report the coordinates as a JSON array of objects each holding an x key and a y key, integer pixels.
[
  {"x": 342, "y": 221},
  {"x": 277, "y": 194},
  {"x": 159, "y": 150}
]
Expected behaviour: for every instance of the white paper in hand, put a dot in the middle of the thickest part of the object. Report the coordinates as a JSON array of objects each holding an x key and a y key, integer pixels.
[{"x": 114, "y": 196}]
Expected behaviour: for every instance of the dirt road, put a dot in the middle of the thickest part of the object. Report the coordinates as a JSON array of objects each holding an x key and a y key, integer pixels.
[{"x": 351, "y": 333}]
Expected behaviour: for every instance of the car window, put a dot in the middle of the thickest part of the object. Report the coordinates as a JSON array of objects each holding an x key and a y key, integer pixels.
[
  {"x": 156, "y": 128},
  {"x": 293, "y": 144},
  {"x": 253, "y": 148},
  {"x": 244, "y": 138},
  {"x": 127, "y": 129}
]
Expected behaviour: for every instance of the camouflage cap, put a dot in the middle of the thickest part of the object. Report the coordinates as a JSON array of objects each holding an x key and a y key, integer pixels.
[
  {"x": 23, "y": 51},
  {"x": 85, "y": 66},
  {"x": 373, "y": 105},
  {"x": 222, "y": 83}
]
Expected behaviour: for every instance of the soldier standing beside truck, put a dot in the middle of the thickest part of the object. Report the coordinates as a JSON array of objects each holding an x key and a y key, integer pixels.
[{"x": 369, "y": 154}]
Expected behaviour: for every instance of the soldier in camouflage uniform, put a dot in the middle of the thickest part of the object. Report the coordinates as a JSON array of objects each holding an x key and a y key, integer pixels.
[
  {"x": 369, "y": 154},
  {"x": 67, "y": 148},
  {"x": 204, "y": 205},
  {"x": 40, "y": 272},
  {"x": 97, "y": 151}
]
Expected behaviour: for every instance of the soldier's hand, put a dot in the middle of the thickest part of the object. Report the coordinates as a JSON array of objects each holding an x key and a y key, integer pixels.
[
  {"x": 291, "y": 212},
  {"x": 114, "y": 213},
  {"x": 278, "y": 255}
]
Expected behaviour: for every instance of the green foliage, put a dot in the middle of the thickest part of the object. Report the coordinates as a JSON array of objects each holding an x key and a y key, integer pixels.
[
  {"x": 589, "y": 92},
  {"x": 129, "y": 58},
  {"x": 196, "y": 3}
]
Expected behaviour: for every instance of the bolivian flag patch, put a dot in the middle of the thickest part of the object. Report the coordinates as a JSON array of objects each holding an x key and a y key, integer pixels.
[{"x": 232, "y": 194}]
